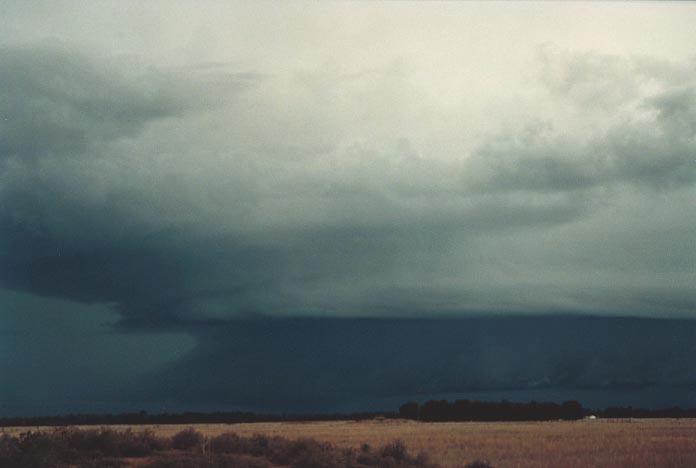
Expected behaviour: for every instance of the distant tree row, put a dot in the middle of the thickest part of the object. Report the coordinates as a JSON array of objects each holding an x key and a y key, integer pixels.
[
  {"x": 466, "y": 410},
  {"x": 630, "y": 412},
  {"x": 219, "y": 417},
  {"x": 434, "y": 410}
]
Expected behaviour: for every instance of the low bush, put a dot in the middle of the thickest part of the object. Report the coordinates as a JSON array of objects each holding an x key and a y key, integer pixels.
[
  {"x": 228, "y": 442},
  {"x": 202, "y": 461},
  {"x": 396, "y": 450},
  {"x": 187, "y": 439},
  {"x": 109, "y": 448},
  {"x": 478, "y": 464}
]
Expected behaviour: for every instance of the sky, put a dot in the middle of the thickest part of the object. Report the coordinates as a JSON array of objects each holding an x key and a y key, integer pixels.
[{"x": 305, "y": 205}]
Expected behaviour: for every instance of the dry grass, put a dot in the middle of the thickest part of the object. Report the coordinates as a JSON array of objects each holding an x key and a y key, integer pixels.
[{"x": 601, "y": 443}]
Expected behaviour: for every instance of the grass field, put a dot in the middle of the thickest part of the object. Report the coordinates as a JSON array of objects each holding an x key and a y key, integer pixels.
[{"x": 609, "y": 443}]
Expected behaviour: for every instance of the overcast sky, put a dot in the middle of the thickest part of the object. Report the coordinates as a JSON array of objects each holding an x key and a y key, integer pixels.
[{"x": 169, "y": 165}]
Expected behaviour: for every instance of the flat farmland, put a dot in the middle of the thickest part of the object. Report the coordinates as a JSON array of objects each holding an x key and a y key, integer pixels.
[{"x": 602, "y": 442}]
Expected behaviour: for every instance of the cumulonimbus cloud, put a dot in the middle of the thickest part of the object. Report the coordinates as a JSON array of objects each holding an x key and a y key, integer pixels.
[{"x": 209, "y": 193}]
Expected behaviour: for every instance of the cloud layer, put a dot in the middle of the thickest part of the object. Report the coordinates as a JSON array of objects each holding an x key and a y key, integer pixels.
[
  {"x": 212, "y": 193},
  {"x": 175, "y": 169},
  {"x": 368, "y": 362}
]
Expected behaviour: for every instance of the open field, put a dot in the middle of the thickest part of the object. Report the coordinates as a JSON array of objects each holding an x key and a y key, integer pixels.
[{"x": 609, "y": 443}]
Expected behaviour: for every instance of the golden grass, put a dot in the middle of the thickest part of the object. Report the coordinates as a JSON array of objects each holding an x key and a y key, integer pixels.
[{"x": 600, "y": 443}]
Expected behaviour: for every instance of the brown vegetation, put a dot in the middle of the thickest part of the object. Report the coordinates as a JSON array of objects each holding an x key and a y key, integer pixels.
[
  {"x": 106, "y": 447},
  {"x": 601, "y": 442}
]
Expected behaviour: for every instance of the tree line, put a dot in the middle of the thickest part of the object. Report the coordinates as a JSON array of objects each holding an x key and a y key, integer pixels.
[
  {"x": 466, "y": 410},
  {"x": 218, "y": 417},
  {"x": 431, "y": 411}
]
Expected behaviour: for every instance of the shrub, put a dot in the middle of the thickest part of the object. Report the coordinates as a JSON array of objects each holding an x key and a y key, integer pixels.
[
  {"x": 201, "y": 461},
  {"x": 478, "y": 464},
  {"x": 108, "y": 442},
  {"x": 422, "y": 459},
  {"x": 301, "y": 449},
  {"x": 187, "y": 439},
  {"x": 107, "y": 448},
  {"x": 316, "y": 459},
  {"x": 256, "y": 445},
  {"x": 102, "y": 463},
  {"x": 228, "y": 442},
  {"x": 9, "y": 450},
  {"x": 396, "y": 450}
]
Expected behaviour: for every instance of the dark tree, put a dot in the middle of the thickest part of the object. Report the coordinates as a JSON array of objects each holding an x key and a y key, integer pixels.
[{"x": 410, "y": 410}]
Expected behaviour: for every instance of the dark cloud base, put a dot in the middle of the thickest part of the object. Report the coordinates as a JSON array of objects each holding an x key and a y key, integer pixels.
[{"x": 334, "y": 364}]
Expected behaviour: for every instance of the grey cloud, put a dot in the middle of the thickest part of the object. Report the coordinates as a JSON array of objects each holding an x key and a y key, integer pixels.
[
  {"x": 316, "y": 364},
  {"x": 677, "y": 110},
  {"x": 238, "y": 198},
  {"x": 56, "y": 101},
  {"x": 646, "y": 140},
  {"x": 215, "y": 173},
  {"x": 48, "y": 345}
]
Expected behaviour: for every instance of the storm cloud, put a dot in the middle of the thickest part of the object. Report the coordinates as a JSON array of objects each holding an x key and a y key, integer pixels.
[
  {"x": 105, "y": 202},
  {"x": 378, "y": 363},
  {"x": 178, "y": 183}
]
